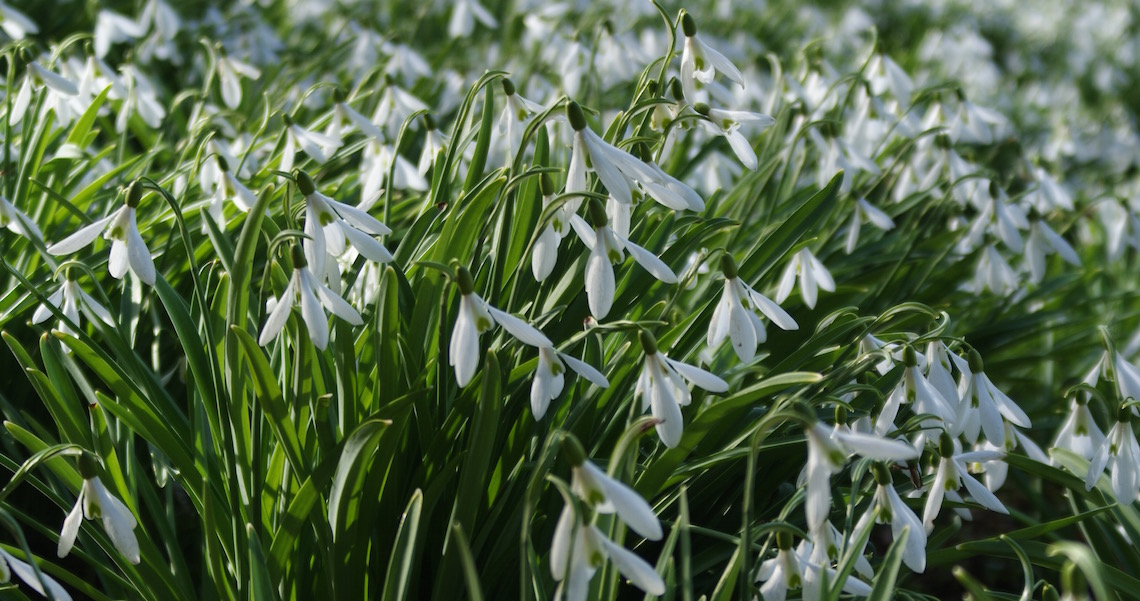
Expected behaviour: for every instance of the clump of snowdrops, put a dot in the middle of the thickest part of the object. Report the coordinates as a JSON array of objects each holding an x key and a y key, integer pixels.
[{"x": 530, "y": 300}]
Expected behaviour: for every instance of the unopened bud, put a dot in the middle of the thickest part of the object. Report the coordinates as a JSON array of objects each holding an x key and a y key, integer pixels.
[
  {"x": 648, "y": 342},
  {"x": 576, "y": 116},
  {"x": 305, "y": 183},
  {"x": 728, "y": 267},
  {"x": 688, "y": 25},
  {"x": 464, "y": 280}
]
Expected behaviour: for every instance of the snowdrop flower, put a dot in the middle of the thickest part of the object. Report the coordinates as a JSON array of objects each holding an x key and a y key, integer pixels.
[
  {"x": 828, "y": 451},
  {"x": 914, "y": 388},
  {"x": 225, "y": 187},
  {"x": 866, "y": 211},
  {"x": 70, "y": 299},
  {"x": 727, "y": 123},
  {"x": 699, "y": 62},
  {"x": 620, "y": 171},
  {"x": 62, "y": 90},
  {"x": 17, "y": 221},
  {"x": 36, "y": 579},
  {"x": 545, "y": 252},
  {"x": 95, "y": 501},
  {"x": 141, "y": 99},
  {"x": 317, "y": 146},
  {"x": 113, "y": 28},
  {"x": 306, "y": 290},
  {"x": 1043, "y": 240},
  {"x": 604, "y": 494},
  {"x": 344, "y": 113},
  {"x": 1120, "y": 453},
  {"x": 464, "y": 13},
  {"x": 1050, "y": 194},
  {"x": 606, "y": 250},
  {"x": 812, "y": 275},
  {"x": 888, "y": 508},
  {"x": 15, "y": 23},
  {"x": 378, "y": 160},
  {"x": 982, "y": 406},
  {"x": 549, "y": 378},
  {"x": 127, "y": 246},
  {"x": 435, "y": 141},
  {"x": 476, "y": 317},
  {"x": 993, "y": 272},
  {"x": 1079, "y": 433},
  {"x": 229, "y": 71},
  {"x": 952, "y": 475},
  {"x": 995, "y": 471},
  {"x": 737, "y": 315},
  {"x": 782, "y": 572},
  {"x": 663, "y": 391},
  {"x": 977, "y": 124},
  {"x": 579, "y": 549},
  {"x": 513, "y": 122},
  {"x": 817, "y": 563},
  {"x": 332, "y": 226},
  {"x": 939, "y": 362},
  {"x": 395, "y": 106}
]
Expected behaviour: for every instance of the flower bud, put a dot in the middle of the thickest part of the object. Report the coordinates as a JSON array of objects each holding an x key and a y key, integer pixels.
[
  {"x": 575, "y": 454},
  {"x": 134, "y": 194},
  {"x": 598, "y": 213},
  {"x": 910, "y": 359},
  {"x": 882, "y": 474},
  {"x": 945, "y": 445},
  {"x": 546, "y": 184},
  {"x": 508, "y": 86},
  {"x": 297, "y": 257}
]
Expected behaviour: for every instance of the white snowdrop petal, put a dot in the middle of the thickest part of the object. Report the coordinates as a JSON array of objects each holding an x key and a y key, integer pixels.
[
  {"x": 773, "y": 311},
  {"x": 139, "y": 255},
  {"x": 314, "y": 317},
  {"x": 584, "y": 231},
  {"x": 699, "y": 377},
  {"x": 630, "y": 506},
  {"x": 520, "y": 329},
  {"x": 80, "y": 239},
  {"x": 585, "y": 370},
  {"x": 633, "y": 567},
  {"x": 600, "y": 283},
  {"x": 464, "y": 349},
  {"x": 876, "y": 447},
  {"x": 655, "y": 266}
]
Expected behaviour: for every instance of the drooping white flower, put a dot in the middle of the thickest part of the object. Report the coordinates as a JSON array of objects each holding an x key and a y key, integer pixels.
[
  {"x": 727, "y": 123},
  {"x": 996, "y": 470},
  {"x": 476, "y": 317},
  {"x": 395, "y": 106},
  {"x": 1079, "y": 433},
  {"x": 1042, "y": 241},
  {"x": 306, "y": 290},
  {"x": 344, "y": 113},
  {"x": 663, "y": 391},
  {"x": 994, "y": 272},
  {"x": 464, "y": 13},
  {"x": 113, "y": 28},
  {"x": 223, "y": 186},
  {"x": 230, "y": 70},
  {"x": 15, "y": 23},
  {"x": 982, "y": 406},
  {"x": 61, "y": 91},
  {"x": 37, "y": 580},
  {"x": 607, "y": 248},
  {"x": 951, "y": 475},
  {"x": 700, "y": 62},
  {"x": 914, "y": 389},
  {"x": 620, "y": 171},
  {"x": 828, "y": 451},
  {"x": 333, "y": 226},
  {"x": 888, "y": 508},
  {"x": 1120, "y": 453},
  {"x": 939, "y": 363},
  {"x": 17, "y": 221},
  {"x": 70, "y": 299},
  {"x": 435, "y": 141},
  {"x": 579, "y": 549},
  {"x": 316, "y": 145},
  {"x": 95, "y": 501},
  {"x": 549, "y": 378},
  {"x": 782, "y": 572},
  {"x": 816, "y": 564},
  {"x": 604, "y": 494},
  {"x": 812, "y": 275},
  {"x": 737, "y": 315},
  {"x": 141, "y": 99},
  {"x": 127, "y": 246},
  {"x": 865, "y": 211},
  {"x": 545, "y": 252},
  {"x": 516, "y": 115}
]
